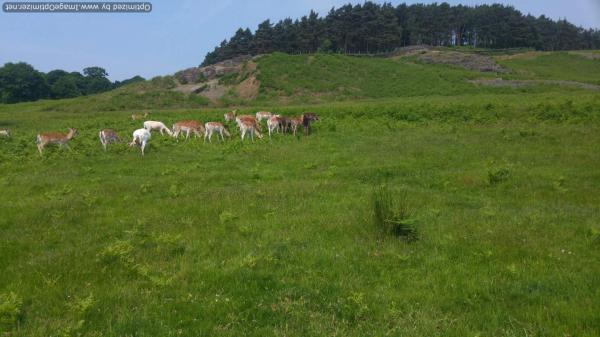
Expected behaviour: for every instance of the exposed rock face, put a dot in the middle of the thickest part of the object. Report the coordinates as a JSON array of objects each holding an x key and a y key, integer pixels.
[
  {"x": 468, "y": 61},
  {"x": 192, "y": 75}
]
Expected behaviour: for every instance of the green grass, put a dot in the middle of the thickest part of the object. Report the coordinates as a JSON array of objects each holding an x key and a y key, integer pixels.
[
  {"x": 301, "y": 77},
  {"x": 555, "y": 66},
  {"x": 277, "y": 237}
]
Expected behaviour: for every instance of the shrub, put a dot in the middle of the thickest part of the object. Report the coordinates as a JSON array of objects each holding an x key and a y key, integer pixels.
[
  {"x": 10, "y": 310},
  {"x": 498, "y": 174},
  {"x": 392, "y": 215},
  {"x": 200, "y": 78},
  {"x": 179, "y": 77}
]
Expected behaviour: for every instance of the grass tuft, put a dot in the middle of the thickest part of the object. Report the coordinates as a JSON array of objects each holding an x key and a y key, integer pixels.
[
  {"x": 392, "y": 215},
  {"x": 10, "y": 311}
]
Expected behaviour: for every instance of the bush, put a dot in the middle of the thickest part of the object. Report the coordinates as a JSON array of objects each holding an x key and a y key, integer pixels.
[
  {"x": 10, "y": 311},
  {"x": 179, "y": 77},
  {"x": 392, "y": 215},
  {"x": 163, "y": 82},
  {"x": 498, "y": 175},
  {"x": 200, "y": 78}
]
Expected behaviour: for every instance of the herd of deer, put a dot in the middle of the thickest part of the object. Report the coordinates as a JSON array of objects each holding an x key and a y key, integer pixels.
[{"x": 247, "y": 124}]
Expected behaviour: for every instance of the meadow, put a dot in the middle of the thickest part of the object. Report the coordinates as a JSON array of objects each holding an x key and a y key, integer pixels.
[{"x": 279, "y": 237}]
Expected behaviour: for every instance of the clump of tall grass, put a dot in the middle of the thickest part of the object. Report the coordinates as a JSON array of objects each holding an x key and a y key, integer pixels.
[
  {"x": 497, "y": 175},
  {"x": 392, "y": 213},
  {"x": 10, "y": 311}
]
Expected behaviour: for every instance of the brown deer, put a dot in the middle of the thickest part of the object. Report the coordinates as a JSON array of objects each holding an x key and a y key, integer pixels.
[
  {"x": 188, "y": 126},
  {"x": 307, "y": 118},
  {"x": 230, "y": 116},
  {"x": 136, "y": 117},
  {"x": 295, "y": 122},
  {"x": 212, "y": 127},
  {"x": 108, "y": 136},
  {"x": 248, "y": 126},
  {"x": 61, "y": 139}
]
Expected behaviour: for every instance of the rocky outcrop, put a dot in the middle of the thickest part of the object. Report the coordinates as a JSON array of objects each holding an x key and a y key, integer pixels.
[{"x": 199, "y": 74}]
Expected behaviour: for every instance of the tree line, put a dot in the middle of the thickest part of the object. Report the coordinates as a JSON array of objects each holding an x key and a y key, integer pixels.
[
  {"x": 20, "y": 82},
  {"x": 375, "y": 28}
]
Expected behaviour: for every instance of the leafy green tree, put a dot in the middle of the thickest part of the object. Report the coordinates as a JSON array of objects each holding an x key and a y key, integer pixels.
[
  {"x": 65, "y": 87},
  {"x": 95, "y": 81},
  {"x": 95, "y": 72},
  {"x": 20, "y": 82}
]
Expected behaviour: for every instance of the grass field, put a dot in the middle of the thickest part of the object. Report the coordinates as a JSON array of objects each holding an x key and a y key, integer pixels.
[
  {"x": 279, "y": 238},
  {"x": 276, "y": 237}
]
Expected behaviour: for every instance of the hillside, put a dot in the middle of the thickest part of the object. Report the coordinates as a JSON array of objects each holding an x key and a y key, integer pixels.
[
  {"x": 410, "y": 72},
  {"x": 292, "y": 79}
]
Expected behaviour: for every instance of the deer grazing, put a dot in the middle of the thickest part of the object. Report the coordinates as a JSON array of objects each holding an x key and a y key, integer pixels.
[
  {"x": 295, "y": 122},
  {"x": 61, "y": 139},
  {"x": 303, "y": 120},
  {"x": 135, "y": 117},
  {"x": 140, "y": 138},
  {"x": 188, "y": 126},
  {"x": 108, "y": 136},
  {"x": 274, "y": 124},
  {"x": 263, "y": 115},
  {"x": 285, "y": 123},
  {"x": 249, "y": 119},
  {"x": 5, "y": 133},
  {"x": 212, "y": 127},
  {"x": 159, "y": 126},
  {"x": 248, "y": 126},
  {"x": 307, "y": 118},
  {"x": 230, "y": 116}
]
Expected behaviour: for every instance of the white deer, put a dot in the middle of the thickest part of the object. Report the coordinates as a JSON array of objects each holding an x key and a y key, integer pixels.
[
  {"x": 108, "y": 136},
  {"x": 212, "y": 127},
  {"x": 140, "y": 138},
  {"x": 274, "y": 124},
  {"x": 159, "y": 126},
  {"x": 263, "y": 115},
  {"x": 61, "y": 139},
  {"x": 5, "y": 133}
]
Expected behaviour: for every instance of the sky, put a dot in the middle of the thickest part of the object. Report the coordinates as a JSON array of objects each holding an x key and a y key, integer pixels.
[{"x": 177, "y": 34}]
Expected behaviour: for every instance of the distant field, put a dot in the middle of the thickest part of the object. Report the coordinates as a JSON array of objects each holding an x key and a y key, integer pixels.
[{"x": 276, "y": 238}]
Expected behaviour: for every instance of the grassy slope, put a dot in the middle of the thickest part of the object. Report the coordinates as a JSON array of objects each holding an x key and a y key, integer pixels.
[
  {"x": 300, "y": 77},
  {"x": 555, "y": 66},
  {"x": 275, "y": 238}
]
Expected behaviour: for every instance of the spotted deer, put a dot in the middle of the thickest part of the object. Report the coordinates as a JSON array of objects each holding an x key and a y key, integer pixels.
[
  {"x": 230, "y": 116},
  {"x": 108, "y": 136},
  {"x": 61, "y": 139},
  {"x": 248, "y": 126},
  {"x": 188, "y": 127},
  {"x": 136, "y": 117},
  {"x": 212, "y": 127}
]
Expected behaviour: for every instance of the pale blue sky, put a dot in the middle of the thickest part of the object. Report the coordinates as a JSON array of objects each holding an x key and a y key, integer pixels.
[{"x": 178, "y": 33}]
